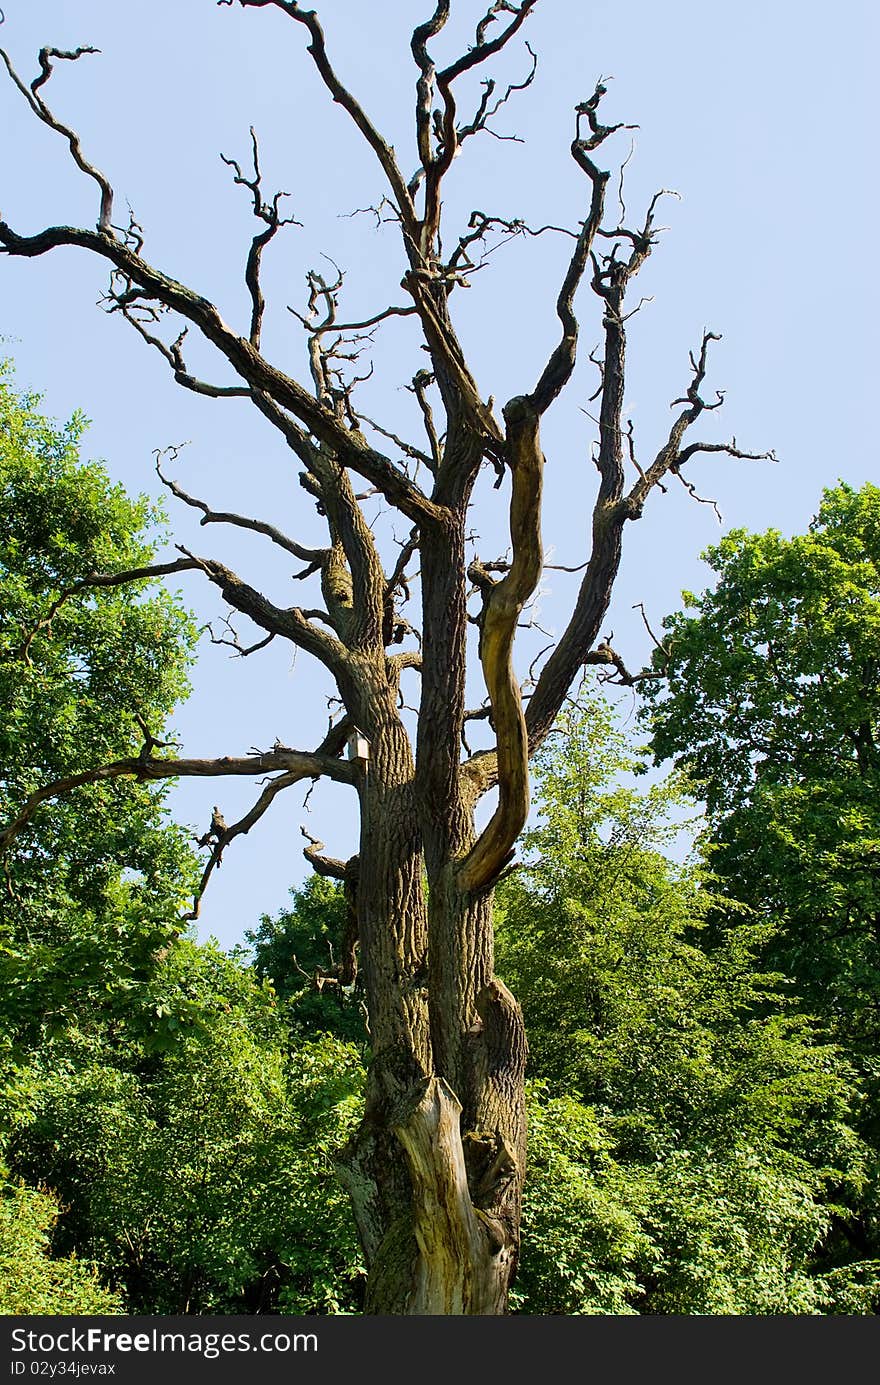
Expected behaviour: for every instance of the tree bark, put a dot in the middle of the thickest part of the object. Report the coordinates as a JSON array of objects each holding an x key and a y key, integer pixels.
[{"x": 435, "y": 1170}]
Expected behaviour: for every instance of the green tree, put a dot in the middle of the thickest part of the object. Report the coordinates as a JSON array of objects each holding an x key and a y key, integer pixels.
[
  {"x": 157, "y": 1124},
  {"x": 92, "y": 887},
  {"x": 307, "y": 953},
  {"x": 772, "y": 705},
  {"x": 93, "y": 884},
  {"x": 691, "y": 1133},
  {"x": 32, "y": 1280},
  {"x": 192, "y": 1150}
]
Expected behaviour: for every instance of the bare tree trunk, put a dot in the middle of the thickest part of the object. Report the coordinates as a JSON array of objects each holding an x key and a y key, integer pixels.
[
  {"x": 438, "y": 1202},
  {"x": 435, "y": 1170}
]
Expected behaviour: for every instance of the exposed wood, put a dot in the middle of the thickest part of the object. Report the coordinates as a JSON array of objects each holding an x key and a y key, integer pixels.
[
  {"x": 503, "y": 607},
  {"x": 461, "y": 1268}
]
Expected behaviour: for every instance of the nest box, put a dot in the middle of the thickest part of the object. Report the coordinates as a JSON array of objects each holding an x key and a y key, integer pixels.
[{"x": 358, "y": 748}]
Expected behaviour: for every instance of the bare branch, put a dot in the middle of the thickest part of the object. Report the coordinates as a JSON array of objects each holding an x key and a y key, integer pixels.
[
  {"x": 700, "y": 499},
  {"x": 672, "y": 455},
  {"x": 268, "y": 212},
  {"x": 558, "y": 369},
  {"x": 124, "y": 300},
  {"x": 406, "y": 448},
  {"x": 484, "y": 48},
  {"x": 288, "y": 622},
  {"x": 729, "y": 448},
  {"x": 317, "y": 49},
  {"x": 420, "y": 382},
  {"x": 425, "y": 85},
  {"x": 134, "y": 574},
  {"x": 434, "y": 165},
  {"x": 407, "y": 311},
  {"x": 235, "y": 643},
  {"x": 504, "y": 601},
  {"x": 411, "y": 658},
  {"x": 296, "y": 764},
  {"x": 43, "y": 113},
  {"x": 479, "y": 224},
  {"x": 353, "y": 582},
  {"x": 483, "y": 713},
  {"x": 151, "y": 742},
  {"x": 398, "y": 576},
  {"x": 610, "y": 512},
  {"x": 258, "y": 526},
  {"x": 190, "y": 382},
  {"x": 640, "y": 606},
  {"x": 485, "y": 112},
  {"x": 244, "y": 825},
  {"x": 604, "y": 653},
  {"x": 267, "y": 383},
  {"x": 323, "y": 865},
  {"x": 457, "y": 385}
]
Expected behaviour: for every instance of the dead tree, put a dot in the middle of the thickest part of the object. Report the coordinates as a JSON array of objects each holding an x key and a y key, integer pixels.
[{"x": 435, "y": 1171}]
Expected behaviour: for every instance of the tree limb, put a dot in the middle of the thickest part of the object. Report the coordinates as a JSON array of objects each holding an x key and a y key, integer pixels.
[
  {"x": 504, "y": 602},
  {"x": 288, "y": 622},
  {"x": 305, "y": 555},
  {"x": 672, "y": 455},
  {"x": 43, "y": 113},
  {"x": 244, "y": 825},
  {"x": 296, "y": 764},
  {"x": 263, "y": 378},
  {"x": 317, "y": 49},
  {"x": 327, "y": 866},
  {"x": 559, "y": 367},
  {"x": 268, "y": 212}
]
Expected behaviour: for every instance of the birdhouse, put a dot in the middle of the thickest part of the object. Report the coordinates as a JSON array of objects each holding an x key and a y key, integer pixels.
[{"x": 358, "y": 748}]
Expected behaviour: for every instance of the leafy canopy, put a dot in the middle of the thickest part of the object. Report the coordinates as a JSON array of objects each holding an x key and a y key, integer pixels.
[
  {"x": 689, "y": 1132},
  {"x": 92, "y": 886},
  {"x": 198, "y": 1174},
  {"x": 773, "y": 706}
]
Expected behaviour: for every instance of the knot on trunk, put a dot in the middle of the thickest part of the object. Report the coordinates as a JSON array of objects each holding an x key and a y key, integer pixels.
[
  {"x": 502, "y": 1035},
  {"x": 491, "y": 1164}
]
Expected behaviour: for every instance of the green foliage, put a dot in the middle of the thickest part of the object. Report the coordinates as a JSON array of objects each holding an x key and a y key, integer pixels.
[
  {"x": 773, "y": 705},
  {"x": 734, "y": 1232},
  {"x": 31, "y": 1279},
  {"x": 628, "y": 1004},
  {"x": 304, "y": 942},
  {"x": 699, "y": 1231},
  {"x": 146, "y": 1081},
  {"x": 582, "y": 1243},
  {"x": 198, "y": 1174},
  {"x": 693, "y": 1134},
  {"x": 773, "y": 676},
  {"x": 92, "y": 887}
]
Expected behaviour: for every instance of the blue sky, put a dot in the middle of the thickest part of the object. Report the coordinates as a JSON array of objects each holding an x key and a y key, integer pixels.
[{"x": 762, "y": 117}]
